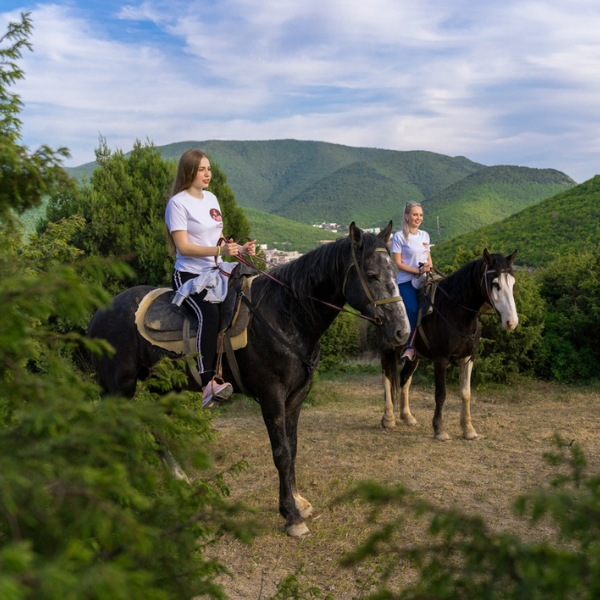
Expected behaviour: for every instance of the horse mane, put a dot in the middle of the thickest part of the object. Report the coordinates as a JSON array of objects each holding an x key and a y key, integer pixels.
[
  {"x": 458, "y": 282},
  {"x": 324, "y": 267}
]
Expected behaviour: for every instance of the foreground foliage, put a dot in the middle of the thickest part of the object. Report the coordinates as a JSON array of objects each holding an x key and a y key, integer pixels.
[
  {"x": 465, "y": 559},
  {"x": 86, "y": 508}
]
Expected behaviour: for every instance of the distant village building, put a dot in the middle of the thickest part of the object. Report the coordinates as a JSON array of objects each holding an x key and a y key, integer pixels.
[
  {"x": 279, "y": 257},
  {"x": 333, "y": 227}
]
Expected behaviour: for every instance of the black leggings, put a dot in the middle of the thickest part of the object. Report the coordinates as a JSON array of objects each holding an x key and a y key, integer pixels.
[{"x": 208, "y": 326}]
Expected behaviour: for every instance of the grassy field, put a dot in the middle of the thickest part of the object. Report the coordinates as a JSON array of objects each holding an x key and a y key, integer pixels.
[{"x": 341, "y": 443}]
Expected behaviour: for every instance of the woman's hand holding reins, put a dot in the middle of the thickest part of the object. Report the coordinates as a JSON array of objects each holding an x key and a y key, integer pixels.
[{"x": 232, "y": 248}]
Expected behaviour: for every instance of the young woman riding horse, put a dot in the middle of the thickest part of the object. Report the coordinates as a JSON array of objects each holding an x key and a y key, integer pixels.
[
  {"x": 292, "y": 308},
  {"x": 451, "y": 333}
]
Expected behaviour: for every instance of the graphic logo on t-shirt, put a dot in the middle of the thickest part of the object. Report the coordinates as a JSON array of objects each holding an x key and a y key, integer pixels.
[{"x": 216, "y": 216}]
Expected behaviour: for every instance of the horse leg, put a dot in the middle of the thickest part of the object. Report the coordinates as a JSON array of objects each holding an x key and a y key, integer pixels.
[
  {"x": 405, "y": 380},
  {"x": 440, "y": 368},
  {"x": 389, "y": 369},
  {"x": 465, "y": 366},
  {"x": 291, "y": 424},
  {"x": 275, "y": 418}
]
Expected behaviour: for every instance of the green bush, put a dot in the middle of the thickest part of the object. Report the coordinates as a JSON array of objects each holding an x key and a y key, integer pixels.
[
  {"x": 339, "y": 343},
  {"x": 570, "y": 348}
]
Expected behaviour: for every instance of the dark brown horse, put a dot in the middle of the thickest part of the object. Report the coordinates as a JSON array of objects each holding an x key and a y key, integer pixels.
[
  {"x": 279, "y": 361},
  {"x": 451, "y": 332}
]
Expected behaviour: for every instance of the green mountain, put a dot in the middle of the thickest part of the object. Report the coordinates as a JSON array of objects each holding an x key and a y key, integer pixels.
[
  {"x": 486, "y": 196},
  {"x": 314, "y": 182},
  {"x": 568, "y": 222}
]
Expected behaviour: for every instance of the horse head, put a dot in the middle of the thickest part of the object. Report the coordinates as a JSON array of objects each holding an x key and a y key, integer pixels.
[
  {"x": 371, "y": 287},
  {"x": 498, "y": 283}
]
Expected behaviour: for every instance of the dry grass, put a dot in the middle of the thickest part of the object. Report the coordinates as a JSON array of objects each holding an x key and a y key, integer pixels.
[{"x": 341, "y": 442}]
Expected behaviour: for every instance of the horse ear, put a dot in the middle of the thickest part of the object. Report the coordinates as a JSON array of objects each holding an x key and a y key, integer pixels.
[
  {"x": 385, "y": 234},
  {"x": 356, "y": 235},
  {"x": 511, "y": 258},
  {"x": 489, "y": 259}
]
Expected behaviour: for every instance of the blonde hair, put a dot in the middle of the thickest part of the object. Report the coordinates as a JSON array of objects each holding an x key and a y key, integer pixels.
[
  {"x": 187, "y": 168},
  {"x": 407, "y": 208}
]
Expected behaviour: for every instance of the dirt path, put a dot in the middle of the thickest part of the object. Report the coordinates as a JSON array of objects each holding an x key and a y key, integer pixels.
[{"x": 341, "y": 442}]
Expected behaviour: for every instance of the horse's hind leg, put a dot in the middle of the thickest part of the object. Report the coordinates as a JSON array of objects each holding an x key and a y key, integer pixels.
[
  {"x": 465, "y": 366},
  {"x": 405, "y": 380}
]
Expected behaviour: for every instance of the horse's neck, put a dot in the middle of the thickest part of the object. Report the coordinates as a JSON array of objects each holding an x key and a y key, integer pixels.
[
  {"x": 311, "y": 317},
  {"x": 468, "y": 295}
]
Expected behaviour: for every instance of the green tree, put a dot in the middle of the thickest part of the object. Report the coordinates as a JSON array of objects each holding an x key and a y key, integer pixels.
[
  {"x": 24, "y": 177},
  {"x": 86, "y": 508},
  {"x": 123, "y": 205},
  {"x": 570, "y": 349}
]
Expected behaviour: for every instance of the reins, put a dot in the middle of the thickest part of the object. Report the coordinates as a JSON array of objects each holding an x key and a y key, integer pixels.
[
  {"x": 376, "y": 320},
  {"x": 477, "y": 312}
]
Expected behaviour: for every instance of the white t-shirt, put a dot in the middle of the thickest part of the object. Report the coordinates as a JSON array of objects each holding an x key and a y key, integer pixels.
[
  {"x": 201, "y": 218},
  {"x": 413, "y": 252}
]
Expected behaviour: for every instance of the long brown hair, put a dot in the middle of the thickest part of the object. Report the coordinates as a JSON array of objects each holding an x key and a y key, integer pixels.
[{"x": 187, "y": 169}]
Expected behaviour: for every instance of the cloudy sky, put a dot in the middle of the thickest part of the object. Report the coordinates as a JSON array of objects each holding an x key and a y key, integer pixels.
[{"x": 513, "y": 82}]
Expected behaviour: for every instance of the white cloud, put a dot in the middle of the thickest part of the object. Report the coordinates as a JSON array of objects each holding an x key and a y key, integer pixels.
[{"x": 510, "y": 83}]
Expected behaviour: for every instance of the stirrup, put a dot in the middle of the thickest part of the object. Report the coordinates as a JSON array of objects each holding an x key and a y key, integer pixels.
[
  {"x": 408, "y": 354},
  {"x": 215, "y": 392}
]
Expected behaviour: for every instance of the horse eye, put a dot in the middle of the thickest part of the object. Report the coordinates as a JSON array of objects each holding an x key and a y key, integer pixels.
[
  {"x": 495, "y": 285},
  {"x": 372, "y": 276}
]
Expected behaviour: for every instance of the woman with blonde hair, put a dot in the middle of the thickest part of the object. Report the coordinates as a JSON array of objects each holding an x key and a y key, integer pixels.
[
  {"x": 411, "y": 253},
  {"x": 195, "y": 237}
]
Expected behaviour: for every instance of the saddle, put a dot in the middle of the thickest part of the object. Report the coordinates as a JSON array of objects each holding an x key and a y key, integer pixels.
[
  {"x": 426, "y": 298},
  {"x": 426, "y": 294},
  {"x": 174, "y": 328}
]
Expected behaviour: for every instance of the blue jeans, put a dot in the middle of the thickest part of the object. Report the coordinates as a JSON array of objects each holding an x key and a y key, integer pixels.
[{"x": 411, "y": 303}]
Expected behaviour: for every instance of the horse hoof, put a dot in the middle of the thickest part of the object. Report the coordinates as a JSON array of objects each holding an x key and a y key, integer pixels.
[
  {"x": 388, "y": 423},
  {"x": 299, "y": 530},
  {"x": 442, "y": 437},
  {"x": 470, "y": 435},
  {"x": 410, "y": 420}
]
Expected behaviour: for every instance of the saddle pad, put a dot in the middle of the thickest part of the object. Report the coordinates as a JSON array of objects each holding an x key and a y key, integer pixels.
[
  {"x": 175, "y": 346},
  {"x": 164, "y": 320},
  {"x": 239, "y": 340}
]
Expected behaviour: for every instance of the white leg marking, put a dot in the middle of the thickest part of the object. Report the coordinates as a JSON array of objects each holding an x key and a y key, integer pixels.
[
  {"x": 303, "y": 505},
  {"x": 389, "y": 420},
  {"x": 465, "y": 367},
  {"x": 405, "y": 413}
]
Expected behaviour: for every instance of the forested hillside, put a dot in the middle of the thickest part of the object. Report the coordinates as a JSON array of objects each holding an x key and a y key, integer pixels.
[
  {"x": 567, "y": 223},
  {"x": 312, "y": 182},
  {"x": 489, "y": 195},
  {"x": 285, "y": 234}
]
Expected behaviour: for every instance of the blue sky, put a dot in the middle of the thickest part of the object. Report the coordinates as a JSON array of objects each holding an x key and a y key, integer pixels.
[{"x": 514, "y": 82}]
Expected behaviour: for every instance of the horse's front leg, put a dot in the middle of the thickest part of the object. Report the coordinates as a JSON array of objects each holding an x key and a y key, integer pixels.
[
  {"x": 405, "y": 380},
  {"x": 389, "y": 372},
  {"x": 275, "y": 418},
  {"x": 440, "y": 369},
  {"x": 291, "y": 424},
  {"x": 465, "y": 366}
]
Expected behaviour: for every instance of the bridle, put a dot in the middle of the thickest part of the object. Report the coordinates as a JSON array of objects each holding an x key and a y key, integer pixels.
[
  {"x": 363, "y": 280},
  {"x": 484, "y": 279}
]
